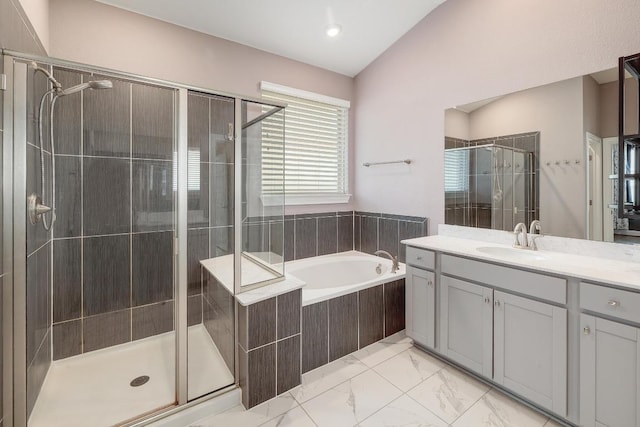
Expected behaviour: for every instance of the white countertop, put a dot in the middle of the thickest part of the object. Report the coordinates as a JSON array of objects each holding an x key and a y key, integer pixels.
[
  {"x": 596, "y": 269},
  {"x": 222, "y": 268}
]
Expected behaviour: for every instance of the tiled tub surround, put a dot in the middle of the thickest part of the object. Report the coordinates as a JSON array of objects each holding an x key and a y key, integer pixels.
[
  {"x": 338, "y": 326},
  {"x": 314, "y": 234},
  {"x": 269, "y": 347},
  {"x": 281, "y": 337},
  {"x": 218, "y": 317},
  {"x": 113, "y": 239},
  {"x": 374, "y": 231}
]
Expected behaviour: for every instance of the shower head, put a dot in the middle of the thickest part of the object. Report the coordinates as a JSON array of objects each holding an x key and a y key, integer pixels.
[{"x": 94, "y": 84}]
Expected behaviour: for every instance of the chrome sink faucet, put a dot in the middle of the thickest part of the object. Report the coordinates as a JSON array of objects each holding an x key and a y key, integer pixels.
[
  {"x": 393, "y": 259},
  {"x": 533, "y": 228},
  {"x": 521, "y": 229}
]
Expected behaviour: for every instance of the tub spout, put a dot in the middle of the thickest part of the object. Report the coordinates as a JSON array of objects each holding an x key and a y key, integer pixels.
[{"x": 393, "y": 259}]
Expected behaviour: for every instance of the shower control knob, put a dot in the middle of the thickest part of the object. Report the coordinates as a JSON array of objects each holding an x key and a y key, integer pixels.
[{"x": 36, "y": 209}]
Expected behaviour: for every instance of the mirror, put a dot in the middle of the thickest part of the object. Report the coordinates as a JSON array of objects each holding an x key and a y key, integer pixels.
[{"x": 547, "y": 153}]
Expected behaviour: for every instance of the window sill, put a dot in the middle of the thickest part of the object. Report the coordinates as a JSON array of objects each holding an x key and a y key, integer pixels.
[{"x": 305, "y": 199}]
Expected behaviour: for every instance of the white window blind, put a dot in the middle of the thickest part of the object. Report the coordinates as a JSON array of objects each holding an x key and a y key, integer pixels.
[
  {"x": 316, "y": 137},
  {"x": 456, "y": 170}
]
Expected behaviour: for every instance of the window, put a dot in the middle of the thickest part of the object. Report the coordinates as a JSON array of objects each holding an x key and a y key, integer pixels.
[
  {"x": 456, "y": 171},
  {"x": 316, "y": 145}
]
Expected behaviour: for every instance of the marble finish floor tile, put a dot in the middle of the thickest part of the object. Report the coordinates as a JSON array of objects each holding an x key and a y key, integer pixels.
[
  {"x": 494, "y": 409},
  {"x": 326, "y": 377},
  {"x": 448, "y": 393},
  {"x": 409, "y": 368},
  {"x": 403, "y": 412},
  {"x": 352, "y": 401},
  {"x": 296, "y": 417},
  {"x": 382, "y": 350},
  {"x": 238, "y": 416}
]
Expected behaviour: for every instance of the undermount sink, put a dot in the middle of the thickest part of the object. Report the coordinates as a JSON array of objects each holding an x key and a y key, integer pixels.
[{"x": 512, "y": 253}]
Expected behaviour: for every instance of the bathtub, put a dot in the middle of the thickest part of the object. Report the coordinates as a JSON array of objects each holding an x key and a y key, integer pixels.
[{"x": 334, "y": 275}]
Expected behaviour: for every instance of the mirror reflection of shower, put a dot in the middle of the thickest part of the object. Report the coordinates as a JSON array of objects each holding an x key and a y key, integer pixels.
[
  {"x": 489, "y": 185},
  {"x": 36, "y": 204}
]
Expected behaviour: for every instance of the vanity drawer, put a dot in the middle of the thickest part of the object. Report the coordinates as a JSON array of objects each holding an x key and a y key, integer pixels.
[
  {"x": 511, "y": 279},
  {"x": 612, "y": 302},
  {"x": 421, "y": 258}
]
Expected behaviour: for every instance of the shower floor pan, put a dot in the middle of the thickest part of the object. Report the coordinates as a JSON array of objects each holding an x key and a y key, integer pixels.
[{"x": 93, "y": 389}]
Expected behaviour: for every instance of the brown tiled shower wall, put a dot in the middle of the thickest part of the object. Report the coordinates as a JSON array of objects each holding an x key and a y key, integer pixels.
[
  {"x": 113, "y": 240},
  {"x": 17, "y": 34}
]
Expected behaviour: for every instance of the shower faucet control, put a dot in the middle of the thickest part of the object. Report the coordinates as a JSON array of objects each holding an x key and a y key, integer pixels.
[{"x": 36, "y": 209}]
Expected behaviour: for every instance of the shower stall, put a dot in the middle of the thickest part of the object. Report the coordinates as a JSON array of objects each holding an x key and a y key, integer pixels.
[
  {"x": 127, "y": 223},
  {"x": 489, "y": 186}
]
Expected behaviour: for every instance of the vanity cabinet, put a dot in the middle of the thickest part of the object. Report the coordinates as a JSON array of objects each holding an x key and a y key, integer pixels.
[
  {"x": 609, "y": 357},
  {"x": 420, "y": 306},
  {"x": 420, "y": 291},
  {"x": 515, "y": 341},
  {"x": 609, "y": 373},
  {"x": 466, "y": 324},
  {"x": 530, "y": 349}
]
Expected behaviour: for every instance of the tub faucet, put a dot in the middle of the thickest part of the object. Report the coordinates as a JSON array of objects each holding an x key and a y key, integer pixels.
[
  {"x": 395, "y": 265},
  {"x": 520, "y": 229}
]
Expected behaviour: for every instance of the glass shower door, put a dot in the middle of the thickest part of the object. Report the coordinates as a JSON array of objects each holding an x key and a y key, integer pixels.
[
  {"x": 97, "y": 313},
  {"x": 210, "y": 249}
]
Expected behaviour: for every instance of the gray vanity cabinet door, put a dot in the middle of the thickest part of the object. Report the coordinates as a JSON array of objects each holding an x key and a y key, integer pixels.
[
  {"x": 609, "y": 373},
  {"x": 466, "y": 321},
  {"x": 420, "y": 306},
  {"x": 530, "y": 350}
]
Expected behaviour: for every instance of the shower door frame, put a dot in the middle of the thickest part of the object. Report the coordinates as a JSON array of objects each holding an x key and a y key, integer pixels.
[{"x": 14, "y": 232}]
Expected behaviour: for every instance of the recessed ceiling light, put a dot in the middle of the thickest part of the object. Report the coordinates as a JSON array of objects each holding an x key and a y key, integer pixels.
[{"x": 333, "y": 30}]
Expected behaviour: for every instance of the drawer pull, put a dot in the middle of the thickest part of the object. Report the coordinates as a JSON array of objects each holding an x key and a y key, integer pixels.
[
  {"x": 587, "y": 330},
  {"x": 613, "y": 303},
  {"x": 418, "y": 258}
]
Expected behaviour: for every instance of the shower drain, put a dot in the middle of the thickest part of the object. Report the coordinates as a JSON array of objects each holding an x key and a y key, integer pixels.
[{"x": 141, "y": 380}]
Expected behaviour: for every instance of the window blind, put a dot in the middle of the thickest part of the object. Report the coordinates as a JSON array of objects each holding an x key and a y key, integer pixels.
[
  {"x": 315, "y": 149},
  {"x": 456, "y": 170}
]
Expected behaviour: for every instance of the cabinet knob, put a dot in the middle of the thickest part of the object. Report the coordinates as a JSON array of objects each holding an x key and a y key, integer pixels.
[
  {"x": 430, "y": 283},
  {"x": 497, "y": 303},
  {"x": 587, "y": 330},
  {"x": 613, "y": 303},
  {"x": 487, "y": 300}
]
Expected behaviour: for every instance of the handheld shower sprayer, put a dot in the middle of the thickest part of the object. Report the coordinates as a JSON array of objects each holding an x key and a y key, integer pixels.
[
  {"x": 94, "y": 84},
  {"x": 36, "y": 207}
]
